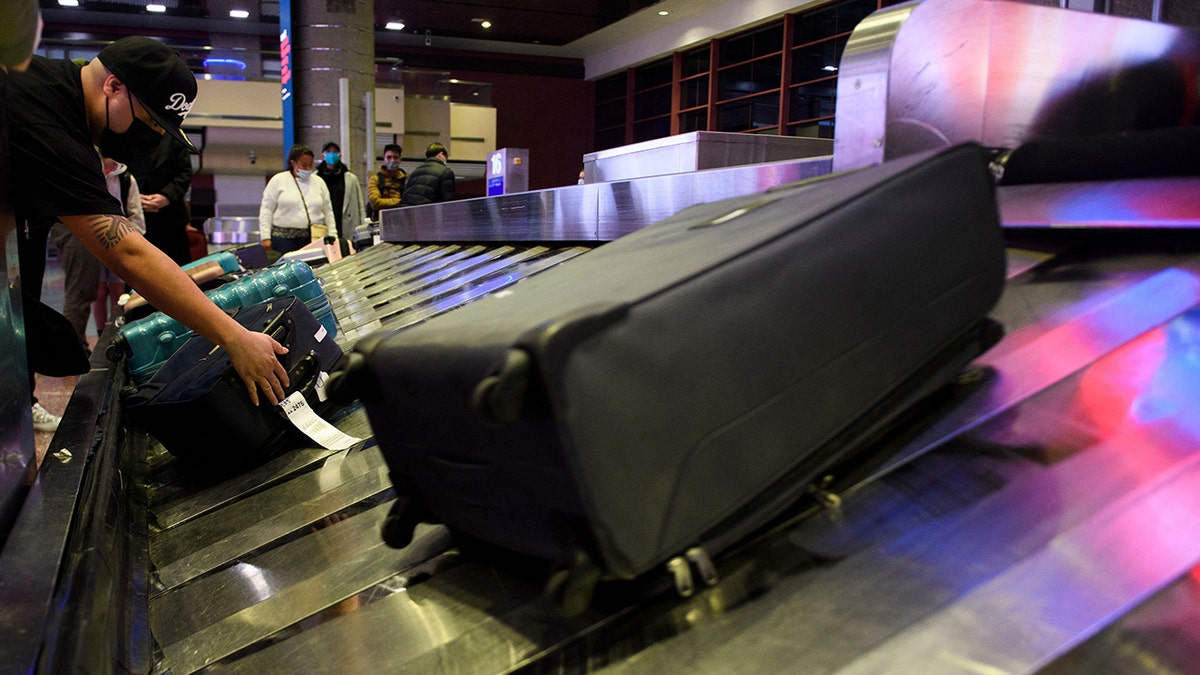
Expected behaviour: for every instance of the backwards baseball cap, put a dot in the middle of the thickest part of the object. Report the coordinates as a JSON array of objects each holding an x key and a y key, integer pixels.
[{"x": 158, "y": 77}]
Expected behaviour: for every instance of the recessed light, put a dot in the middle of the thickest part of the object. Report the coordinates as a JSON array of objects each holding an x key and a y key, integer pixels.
[
  {"x": 485, "y": 23},
  {"x": 68, "y": 3},
  {"x": 831, "y": 69},
  {"x": 395, "y": 25},
  {"x": 663, "y": 12},
  {"x": 239, "y": 14},
  {"x": 156, "y": 8}
]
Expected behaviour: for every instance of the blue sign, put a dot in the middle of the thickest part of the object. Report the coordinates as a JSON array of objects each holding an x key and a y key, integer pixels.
[
  {"x": 285, "y": 74},
  {"x": 495, "y": 186}
]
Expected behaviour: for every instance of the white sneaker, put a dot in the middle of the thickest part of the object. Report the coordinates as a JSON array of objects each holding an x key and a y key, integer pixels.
[{"x": 44, "y": 420}]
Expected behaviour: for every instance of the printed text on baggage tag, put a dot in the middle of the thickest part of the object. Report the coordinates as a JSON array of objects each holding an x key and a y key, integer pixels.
[{"x": 298, "y": 412}]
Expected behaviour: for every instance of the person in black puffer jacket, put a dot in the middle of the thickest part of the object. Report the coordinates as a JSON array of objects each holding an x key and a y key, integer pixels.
[{"x": 432, "y": 181}]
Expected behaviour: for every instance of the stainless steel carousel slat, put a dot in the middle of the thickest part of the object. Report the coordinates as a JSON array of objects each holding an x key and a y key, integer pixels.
[
  {"x": 394, "y": 317},
  {"x": 203, "y": 544},
  {"x": 360, "y": 303},
  {"x": 186, "y": 506},
  {"x": 369, "y": 319},
  {"x": 1036, "y": 610},
  {"x": 417, "y": 276},
  {"x": 372, "y": 281},
  {"x": 1152, "y": 202},
  {"x": 186, "y": 609},
  {"x": 351, "y": 282},
  {"x": 1021, "y": 261},
  {"x": 366, "y": 261},
  {"x": 191, "y": 504},
  {"x": 419, "y": 267},
  {"x": 469, "y": 619},
  {"x": 1161, "y": 631},
  {"x": 333, "y": 582},
  {"x": 486, "y": 287},
  {"x": 1060, "y": 350}
]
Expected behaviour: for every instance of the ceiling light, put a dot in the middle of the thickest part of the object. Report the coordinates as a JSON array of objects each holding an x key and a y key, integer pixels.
[
  {"x": 395, "y": 25},
  {"x": 239, "y": 14},
  {"x": 831, "y": 69},
  {"x": 485, "y": 23},
  {"x": 68, "y": 3},
  {"x": 156, "y": 8},
  {"x": 663, "y": 12}
]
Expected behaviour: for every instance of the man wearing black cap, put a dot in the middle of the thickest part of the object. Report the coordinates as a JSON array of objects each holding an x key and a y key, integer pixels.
[{"x": 120, "y": 102}]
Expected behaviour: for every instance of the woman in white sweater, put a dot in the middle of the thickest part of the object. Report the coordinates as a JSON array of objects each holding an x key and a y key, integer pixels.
[{"x": 296, "y": 208}]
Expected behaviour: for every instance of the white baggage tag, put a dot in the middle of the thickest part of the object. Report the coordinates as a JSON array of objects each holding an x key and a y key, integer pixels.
[{"x": 305, "y": 419}]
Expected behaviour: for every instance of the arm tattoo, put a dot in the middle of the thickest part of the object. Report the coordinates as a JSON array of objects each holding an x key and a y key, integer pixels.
[{"x": 110, "y": 230}]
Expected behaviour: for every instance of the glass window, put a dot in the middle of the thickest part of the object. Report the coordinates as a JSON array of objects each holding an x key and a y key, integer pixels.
[
  {"x": 814, "y": 129},
  {"x": 650, "y": 129},
  {"x": 610, "y": 87},
  {"x": 815, "y": 25},
  {"x": 832, "y": 19},
  {"x": 748, "y": 78},
  {"x": 818, "y": 60},
  {"x": 653, "y": 75},
  {"x": 611, "y": 114},
  {"x": 693, "y": 92},
  {"x": 760, "y": 111},
  {"x": 812, "y": 100},
  {"x": 695, "y": 120},
  {"x": 610, "y": 138},
  {"x": 766, "y": 40},
  {"x": 696, "y": 62},
  {"x": 852, "y": 12},
  {"x": 652, "y": 103}
]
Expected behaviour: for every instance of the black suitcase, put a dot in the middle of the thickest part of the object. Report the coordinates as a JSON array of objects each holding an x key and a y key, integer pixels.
[
  {"x": 672, "y": 390},
  {"x": 198, "y": 408}
]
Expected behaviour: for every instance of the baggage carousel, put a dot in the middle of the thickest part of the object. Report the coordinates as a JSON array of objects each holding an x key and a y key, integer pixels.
[{"x": 1039, "y": 514}]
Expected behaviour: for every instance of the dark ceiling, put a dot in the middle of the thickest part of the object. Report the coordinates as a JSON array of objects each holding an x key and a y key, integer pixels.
[{"x": 545, "y": 22}]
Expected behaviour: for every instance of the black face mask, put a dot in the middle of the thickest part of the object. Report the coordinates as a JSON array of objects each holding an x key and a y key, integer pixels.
[{"x": 136, "y": 143}]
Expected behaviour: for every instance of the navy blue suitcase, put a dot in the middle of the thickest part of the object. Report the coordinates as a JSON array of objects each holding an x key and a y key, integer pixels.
[
  {"x": 664, "y": 395},
  {"x": 196, "y": 405}
]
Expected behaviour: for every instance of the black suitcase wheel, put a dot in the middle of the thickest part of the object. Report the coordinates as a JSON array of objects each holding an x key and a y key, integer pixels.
[
  {"x": 401, "y": 522},
  {"x": 571, "y": 588}
]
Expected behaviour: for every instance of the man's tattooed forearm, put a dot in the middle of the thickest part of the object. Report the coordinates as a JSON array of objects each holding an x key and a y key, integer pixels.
[{"x": 110, "y": 230}]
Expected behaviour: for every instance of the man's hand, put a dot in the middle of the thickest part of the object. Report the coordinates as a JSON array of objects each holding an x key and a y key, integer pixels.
[
  {"x": 254, "y": 358},
  {"x": 154, "y": 203}
]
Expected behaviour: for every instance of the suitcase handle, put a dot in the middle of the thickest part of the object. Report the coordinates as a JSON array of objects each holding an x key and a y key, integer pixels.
[
  {"x": 516, "y": 389},
  {"x": 500, "y": 398}
]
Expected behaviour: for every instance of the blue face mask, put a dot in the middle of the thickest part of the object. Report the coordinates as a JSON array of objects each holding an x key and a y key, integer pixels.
[
  {"x": 303, "y": 174},
  {"x": 332, "y": 158}
]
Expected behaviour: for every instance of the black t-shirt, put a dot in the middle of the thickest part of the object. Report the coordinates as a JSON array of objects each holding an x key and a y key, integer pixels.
[
  {"x": 56, "y": 171},
  {"x": 335, "y": 180}
]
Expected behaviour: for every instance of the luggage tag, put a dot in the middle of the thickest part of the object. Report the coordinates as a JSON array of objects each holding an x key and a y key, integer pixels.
[
  {"x": 297, "y": 411},
  {"x": 304, "y": 418}
]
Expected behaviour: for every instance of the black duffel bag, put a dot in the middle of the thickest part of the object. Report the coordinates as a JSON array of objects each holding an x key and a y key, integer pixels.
[{"x": 196, "y": 405}]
